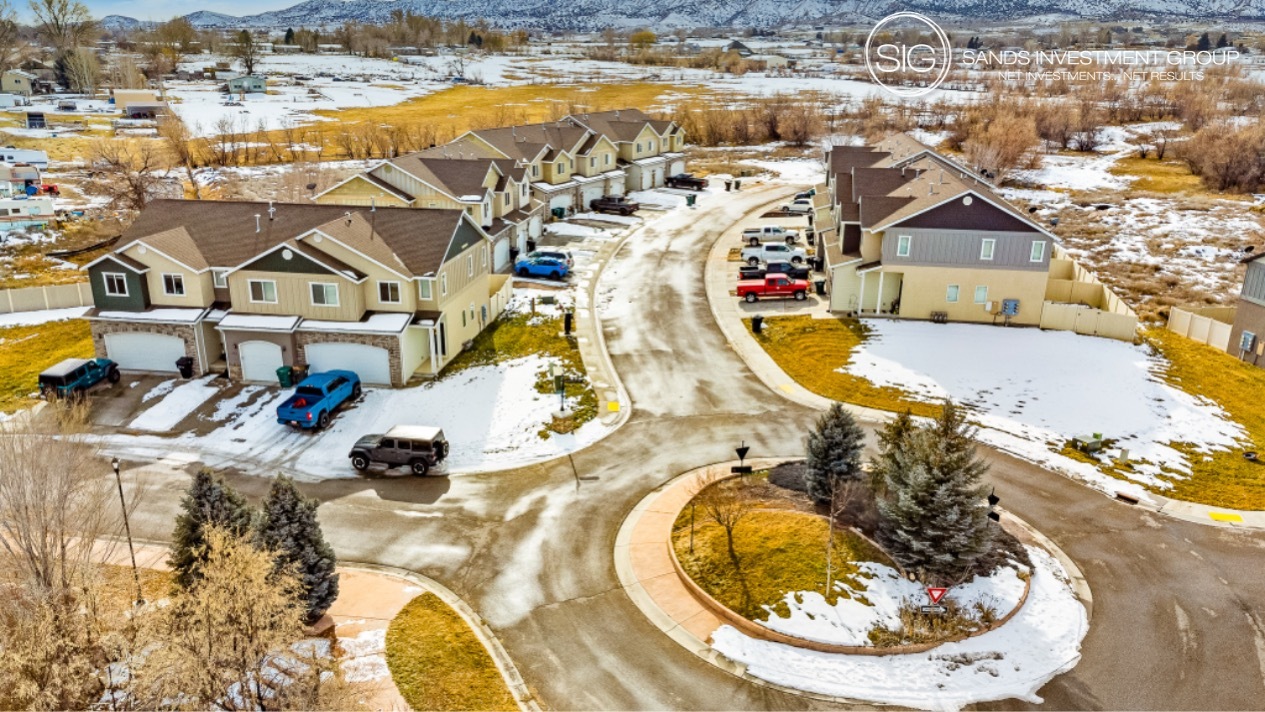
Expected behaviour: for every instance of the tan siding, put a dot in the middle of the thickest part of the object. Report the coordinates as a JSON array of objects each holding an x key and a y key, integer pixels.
[
  {"x": 198, "y": 289},
  {"x": 360, "y": 192},
  {"x": 375, "y": 274},
  {"x": 458, "y": 274},
  {"x": 294, "y": 296}
]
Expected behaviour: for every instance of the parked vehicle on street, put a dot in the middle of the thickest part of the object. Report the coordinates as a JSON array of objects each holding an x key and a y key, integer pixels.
[
  {"x": 74, "y": 376},
  {"x": 414, "y": 446},
  {"x": 808, "y": 194},
  {"x": 316, "y": 398},
  {"x": 553, "y": 254},
  {"x": 547, "y": 267},
  {"x": 747, "y": 272},
  {"x": 773, "y": 286},
  {"x": 769, "y": 233},
  {"x": 686, "y": 181},
  {"x": 800, "y": 205},
  {"x": 614, "y": 204},
  {"x": 773, "y": 252}
]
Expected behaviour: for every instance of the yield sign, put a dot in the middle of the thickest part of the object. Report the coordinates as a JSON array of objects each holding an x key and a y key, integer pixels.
[{"x": 936, "y": 594}]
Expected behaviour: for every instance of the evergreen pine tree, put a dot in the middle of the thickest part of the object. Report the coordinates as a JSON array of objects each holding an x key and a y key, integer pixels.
[
  {"x": 208, "y": 501},
  {"x": 834, "y": 453},
  {"x": 290, "y": 530},
  {"x": 1204, "y": 44},
  {"x": 1223, "y": 41},
  {"x": 289, "y": 39},
  {"x": 891, "y": 439},
  {"x": 934, "y": 519}
]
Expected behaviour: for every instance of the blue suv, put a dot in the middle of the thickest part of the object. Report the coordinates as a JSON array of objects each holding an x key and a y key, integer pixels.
[
  {"x": 539, "y": 266},
  {"x": 74, "y": 376}
]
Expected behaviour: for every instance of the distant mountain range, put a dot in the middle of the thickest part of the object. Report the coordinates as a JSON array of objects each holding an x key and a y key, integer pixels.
[{"x": 585, "y": 15}]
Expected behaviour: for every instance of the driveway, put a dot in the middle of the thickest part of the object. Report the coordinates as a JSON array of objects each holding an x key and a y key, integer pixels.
[{"x": 530, "y": 549}]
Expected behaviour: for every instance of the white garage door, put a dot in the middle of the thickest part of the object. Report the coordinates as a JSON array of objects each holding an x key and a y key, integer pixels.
[
  {"x": 560, "y": 201},
  {"x": 144, "y": 352},
  {"x": 677, "y": 167},
  {"x": 591, "y": 193},
  {"x": 260, "y": 360},
  {"x": 371, "y": 363},
  {"x": 501, "y": 254}
]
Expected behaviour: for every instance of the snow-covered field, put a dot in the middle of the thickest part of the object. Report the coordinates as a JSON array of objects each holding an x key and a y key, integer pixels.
[
  {"x": 1033, "y": 390},
  {"x": 1014, "y": 661},
  {"x": 42, "y": 316},
  {"x": 848, "y": 621}
]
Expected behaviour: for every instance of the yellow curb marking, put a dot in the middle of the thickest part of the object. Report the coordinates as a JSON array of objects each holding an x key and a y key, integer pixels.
[
  {"x": 788, "y": 387},
  {"x": 1225, "y": 517},
  {"x": 613, "y": 406}
]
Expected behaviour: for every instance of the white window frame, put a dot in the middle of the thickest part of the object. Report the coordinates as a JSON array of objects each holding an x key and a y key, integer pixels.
[
  {"x": 250, "y": 291},
  {"x": 485, "y": 256},
  {"x": 988, "y": 249},
  {"x": 592, "y": 161},
  {"x": 311, "y": 293},
  {"x": 535, "y": 171},
  {"x": 981, "y": 298},
  {"x": 105, "y": 282},
  {"x": 1038, "y": 251},
  {"x": 176, "y": 277},
  {"x": 562, "y": 166},
  {"x": 219, "y": 278},
  {"x": 443, "y": 284},
  {"x": 469, "y": 265},
  {"x": 952, "y": 294},
  {"x": 903, "y": 243},
  {"x": 426, "y": 288},
  {"x": 399, "y": 293},
  {"x": 607, "y": 162},
  {"x": 638, "y": 147}
]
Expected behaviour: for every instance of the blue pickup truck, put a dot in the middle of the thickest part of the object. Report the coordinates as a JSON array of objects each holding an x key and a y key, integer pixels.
[{"x": 317, "y": 397}]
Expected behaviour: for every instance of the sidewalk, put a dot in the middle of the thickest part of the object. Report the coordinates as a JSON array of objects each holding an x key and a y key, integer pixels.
[
  {"x": 369, "y": 598},
  {"x": 721, "y": 281},
  {"x": 614, "y": 405}
]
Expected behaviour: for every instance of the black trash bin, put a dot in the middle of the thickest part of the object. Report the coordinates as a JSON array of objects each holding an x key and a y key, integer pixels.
[
  {"x": 568, "y": 320},
  {"x": 821, "y": 287},
  {"x": 531, "y": 246},
  {"x": 757, "y": 324},
  {"x": 819, "y": 264},
  {"x": 297, "y": 374},
  {"x": 185, "y": 365}
]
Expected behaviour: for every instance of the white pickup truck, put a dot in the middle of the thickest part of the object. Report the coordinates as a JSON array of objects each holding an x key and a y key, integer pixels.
[
  {"x": 756, "y": 254},
  {"x": 769, "y": 233}
]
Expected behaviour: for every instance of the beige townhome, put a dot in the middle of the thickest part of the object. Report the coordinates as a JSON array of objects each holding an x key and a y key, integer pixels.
[
  {"x": 649, "y": 149},
  {"x": 495, "y": 192},
  {"x": 906, "y": 232},
  {"x": 388, "y": 292}
]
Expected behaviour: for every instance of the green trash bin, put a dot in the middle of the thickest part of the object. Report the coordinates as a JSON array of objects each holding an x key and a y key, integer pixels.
[
  {"x": 559, "y": 213},
  {"x": 737, "y": 185},
  {"x": 689, "y": 199},
  {"x": 285, "y": 376}
]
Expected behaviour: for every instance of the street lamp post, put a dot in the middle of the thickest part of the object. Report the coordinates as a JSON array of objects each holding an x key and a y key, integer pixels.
[{"x": 127, "y": 527}]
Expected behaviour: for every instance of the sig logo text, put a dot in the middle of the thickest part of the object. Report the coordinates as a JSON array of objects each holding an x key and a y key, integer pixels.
[{"x": 907, "y": 54}]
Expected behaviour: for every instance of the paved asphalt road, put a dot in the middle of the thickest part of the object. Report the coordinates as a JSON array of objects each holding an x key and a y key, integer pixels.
[{"x": 1178, "y": 608}]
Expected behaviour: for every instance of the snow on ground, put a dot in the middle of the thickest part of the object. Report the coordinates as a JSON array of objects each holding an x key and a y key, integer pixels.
[
  {"x": 848, "y": 621},
  {"x": 659, "y": 199},
  {"x": 1014, "y": 661},
  {"x": 1075, "y": 173},
  {"x": 626, "y": 220},
  {"x": 175, "y": 406},
  {"x": 1033, "y": 390},
  {"x": 42, "y": 316},
  {"x": 491, "y": 416},
  {"x": 566, "y": 229},
  {"x": 807, "y": 171},
  {"x": 364, "y": 656}
]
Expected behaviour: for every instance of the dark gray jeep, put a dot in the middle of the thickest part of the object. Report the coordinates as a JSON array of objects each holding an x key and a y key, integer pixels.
[{"x": 416, "y": 447}]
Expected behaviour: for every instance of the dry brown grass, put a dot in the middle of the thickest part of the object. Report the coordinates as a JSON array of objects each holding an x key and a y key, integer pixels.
[{"x": 1154, "y": 176}]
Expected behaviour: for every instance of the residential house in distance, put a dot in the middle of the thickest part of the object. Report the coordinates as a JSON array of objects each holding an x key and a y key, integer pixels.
[
  {"x": 1247, "y": 336},
  {"x": 248, "y": 287},
  {"x": 494, "y": 192},
  {"x": 738, "y": 47},
  {"x": 17, "y": 81},
  {"x": 913, "y": 234},
  {"x": 246, "y": 85}
]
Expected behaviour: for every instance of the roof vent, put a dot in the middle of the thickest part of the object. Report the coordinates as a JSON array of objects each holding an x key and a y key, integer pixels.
[
  {"x": 347, "y": 216},
  {"x": 272, "y": 211}
]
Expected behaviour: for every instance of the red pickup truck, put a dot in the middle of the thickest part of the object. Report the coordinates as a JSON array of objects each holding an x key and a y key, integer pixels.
[{"x": 773, "y": 286}]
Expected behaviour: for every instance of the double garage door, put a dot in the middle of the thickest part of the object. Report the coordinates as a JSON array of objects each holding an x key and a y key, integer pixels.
[
  {"x": 261, "y": 359},
  {"x": 589, "y": 193},
  {"x": 144, "y": 352}
]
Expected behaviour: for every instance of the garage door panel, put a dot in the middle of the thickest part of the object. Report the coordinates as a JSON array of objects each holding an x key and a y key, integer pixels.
[
  {"x": 138, "y": 351},
  {"x": 371, "y": 363},
  {"x": 259, "y": 360}
]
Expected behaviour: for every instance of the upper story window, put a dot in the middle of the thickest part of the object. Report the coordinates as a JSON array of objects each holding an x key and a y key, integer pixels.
[
  {"x": 173, "y": 285},
  {"x": 535, "y": 171},
  {"x": 219, "y": 278},
  {"x": 1038, "y": 251},
  {"x": 443, "y": 284},
  {"x": 115, "y": 284},
  {"x": 469, "y": 265},
  {"x": 324, "y": 294},
  {"x": 592, "y": 161},
  {"x": 951, "y": 294},
  {"x": 426, "y": 288},
  {"x": 902, "y": 245},
  {"x": 485, "y": 256},
  {"x": 562, "y": 166},
  {"x": 606, "y": 159},
  {"x": 263, "y": 291},
  {"x": 389, "y": 292},
  {"x": 638, "y": 147},
  {"x": 987, "y": 249}
]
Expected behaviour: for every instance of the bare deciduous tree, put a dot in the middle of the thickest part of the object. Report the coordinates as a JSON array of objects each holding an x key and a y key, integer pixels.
[
  {"x": 9, "y": 35},
  {"x": 134, "y": 173},
  {"x": 726, "y": 502},
  {"x": 246, "y": 49},
  {"x": 64, "y": 24},
  {"x": 1008, "y": 142}
]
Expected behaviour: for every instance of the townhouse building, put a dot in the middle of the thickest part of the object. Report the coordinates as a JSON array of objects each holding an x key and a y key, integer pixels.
[
  {"x": 247, "y": 287},
  {"x": 494, "y": 192},
  {"x": 1247, "y": 336}
]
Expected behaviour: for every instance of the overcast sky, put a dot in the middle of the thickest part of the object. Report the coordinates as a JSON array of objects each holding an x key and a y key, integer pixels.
[{"x": 167, "y": 9}]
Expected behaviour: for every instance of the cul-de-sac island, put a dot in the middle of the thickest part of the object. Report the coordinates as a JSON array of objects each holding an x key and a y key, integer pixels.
[{"x": 490, "y": 355}]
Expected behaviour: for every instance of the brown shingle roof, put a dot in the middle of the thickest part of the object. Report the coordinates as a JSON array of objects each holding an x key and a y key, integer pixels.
[
  {"x": 178, "y": 245},
  {"x": 455, "y": 176},
  {"x": 224, "y": 233}
]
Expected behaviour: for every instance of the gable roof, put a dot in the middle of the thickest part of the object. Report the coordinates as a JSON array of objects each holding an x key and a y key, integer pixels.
[
  {"x": 525, "y": 141},
  {"x": 621, "y": 125},
  {"x": 457, "y": 177},
  {"x": 223, "y": 233}
]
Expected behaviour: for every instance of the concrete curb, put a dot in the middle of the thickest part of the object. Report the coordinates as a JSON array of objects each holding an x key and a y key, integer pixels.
[
  {"x": 1080, "y": 586},
  {"x": 504, "y": 664}
]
